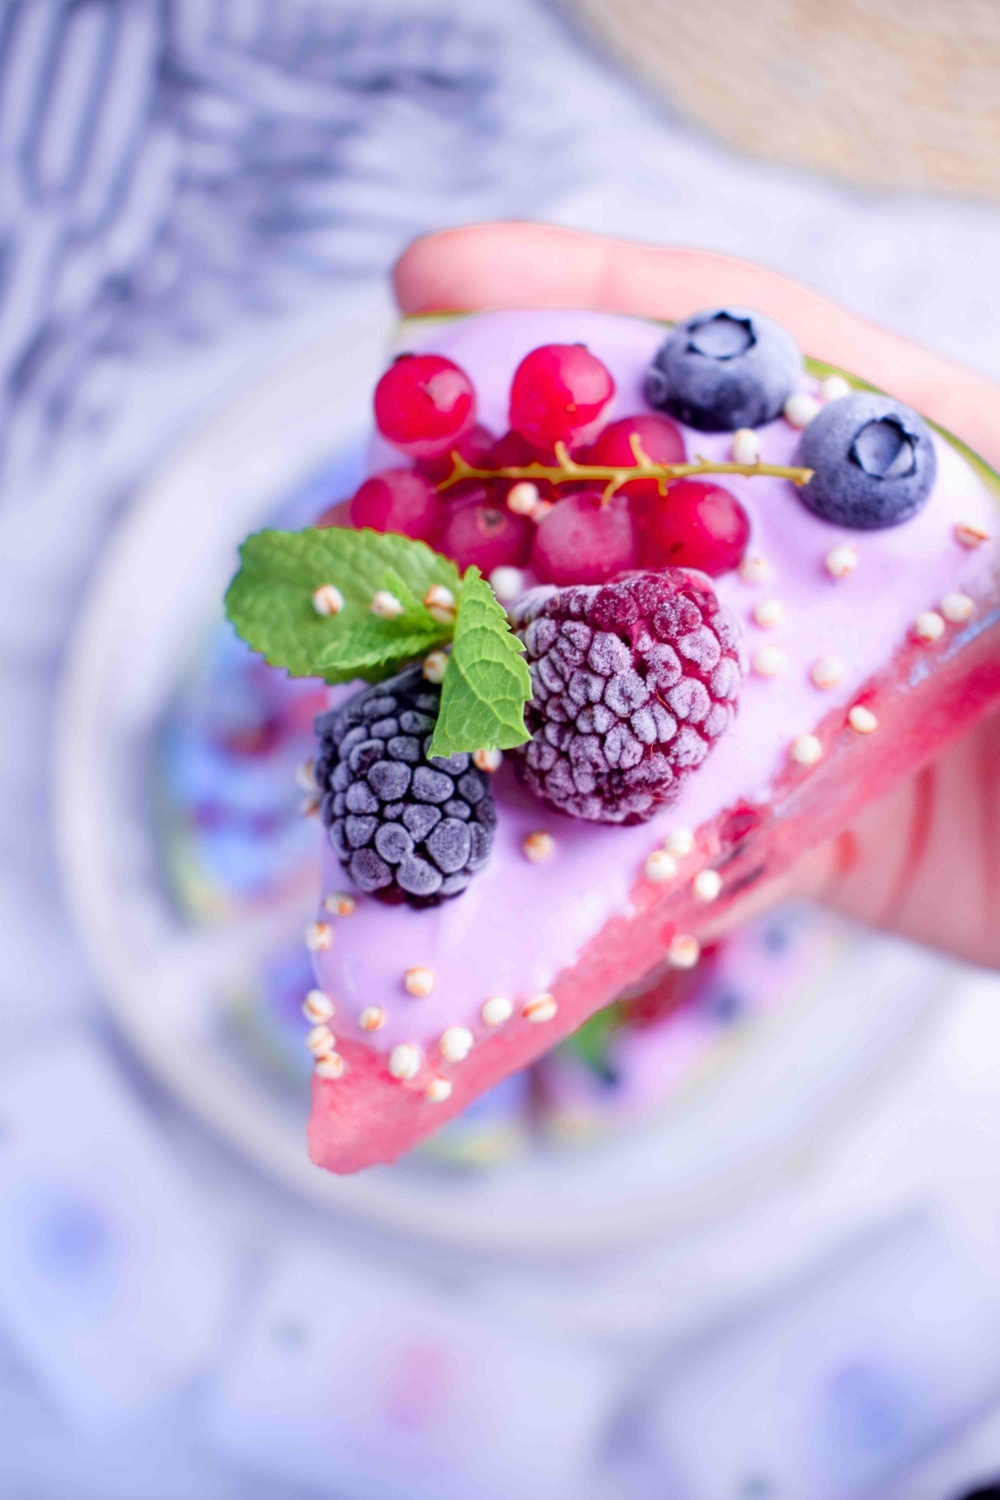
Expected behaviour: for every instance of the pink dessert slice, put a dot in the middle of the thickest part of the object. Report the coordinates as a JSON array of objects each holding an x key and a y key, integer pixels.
[{"x": 868, "y": 651}]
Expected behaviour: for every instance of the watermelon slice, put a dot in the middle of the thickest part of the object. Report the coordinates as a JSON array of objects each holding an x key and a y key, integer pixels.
[{"x": 560, "y": 938}]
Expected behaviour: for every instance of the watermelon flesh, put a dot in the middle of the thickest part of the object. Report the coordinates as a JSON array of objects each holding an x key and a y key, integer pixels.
[{"x": 589, "y": 922}]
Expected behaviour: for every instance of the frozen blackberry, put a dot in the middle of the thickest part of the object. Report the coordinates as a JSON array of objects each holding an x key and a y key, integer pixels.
[
  {"x": 724, "y": 368},
  {"x": 405, "y": 826},
  {"x": 632, "y": 683}
]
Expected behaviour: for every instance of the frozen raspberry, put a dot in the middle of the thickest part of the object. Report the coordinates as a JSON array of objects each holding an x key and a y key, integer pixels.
[
  {"x": 695, "y": 525},
  {"x": 479, "y": 531},
  {"x": 632, "y": 684},
  {"x": 659, "y": 438},
  {"x": 585, "y": 540},
  {"x": 406, "y": 828},
  {"x": 399, "y": 500},
  {"x": 423, "y": 404},
  {"x": 559, "y": 391}
]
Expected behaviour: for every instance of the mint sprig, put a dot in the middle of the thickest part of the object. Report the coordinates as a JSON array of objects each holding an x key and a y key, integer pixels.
[
  {"x": 270, "y": 602},
  {"x": 487, "y": 684}
]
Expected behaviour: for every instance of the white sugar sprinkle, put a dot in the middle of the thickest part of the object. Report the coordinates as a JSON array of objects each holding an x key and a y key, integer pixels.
[
  {"x": 508, "y": 583},
  {"x": 538, "y": 846},
  {"x": 435, "y": 665},
  {"x": 680, "y": 842},
  {"x": 523, "y": 497},
  {"x": 834, "y": 387},
  {"x": 826, "y": 671},
  {"x": 957, "y": 608},
  {"x": 331, "y": 1066},
  {"x": 754, "y": 570},
  {"x": 660, "y": 866},
  {"x": 487, "y": 760},
  {"x": 404, "y": 1061},
  {"x": 800, "y": 409},
  {"x": 438, "y": 1090},
  {"x": 928, "y": 627},
  {"x": 339, "y": 904},
  {"x": 319, "y": 937},
  {"x": 970, "y": 536},
  {"x": 317, "y": 1007},
  {"x": 328, "y": 600},
  {"x": 806, "y": 750},
  {"x": 419, "y": 980},
  {"x": 841, "y": 561},
  {"x": 707, "y": 885},
  {"x": 385, "y": 605},
  {"x": 372, "y": 1018},
  {"x": 768, "y": 613},
  {"x": 496, "y": 1010},
  {"x": 542, "y": 1008},
  {"x": 684, "y": 951},
  {"x": 862, "y": 720},
  {"x": 439, "y": 603},
  {"x": 321, "y": 1040},
  {"x": 456, "y": 1044},
  {"x": 745, "y": 446},
  {"x": 305, "y": 776},
  {"x": 769, "y": 661}
]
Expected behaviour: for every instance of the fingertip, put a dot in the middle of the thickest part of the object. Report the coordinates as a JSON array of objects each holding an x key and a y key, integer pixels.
[
  {"x": 418, "y": 271},
  {"x": 513, "y": 263}
]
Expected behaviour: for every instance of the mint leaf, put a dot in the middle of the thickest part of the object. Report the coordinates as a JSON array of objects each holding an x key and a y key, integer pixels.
[
  {"x": 270, "y": 601},
  {"x": 486, "y": 684}
]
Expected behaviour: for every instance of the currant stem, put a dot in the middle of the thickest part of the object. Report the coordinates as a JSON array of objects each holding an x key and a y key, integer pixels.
[{"x": 615, "y": 475}]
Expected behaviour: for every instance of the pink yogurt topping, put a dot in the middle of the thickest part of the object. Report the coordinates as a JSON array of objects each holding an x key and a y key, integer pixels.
[{"x": 520, "y": 924}]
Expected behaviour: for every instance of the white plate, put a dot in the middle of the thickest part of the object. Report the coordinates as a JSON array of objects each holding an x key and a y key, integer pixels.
[{"x": 155, "y": 597}]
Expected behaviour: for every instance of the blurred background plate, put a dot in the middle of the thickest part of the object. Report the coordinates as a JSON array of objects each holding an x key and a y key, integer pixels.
[{"x": 188, "y": 921}]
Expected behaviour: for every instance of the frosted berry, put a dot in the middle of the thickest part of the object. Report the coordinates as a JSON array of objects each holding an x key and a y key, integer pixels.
[
  {"x": 405, "y": 827},
  {"x": 695, "y": 525},
  {"x": 659, "y": 438},
  {"x": 724, "y": 369},
  {"x": 584, "y": 540},
  {"x": 475, "y": 446},
  {"x": 489, "y": 535},
  {"x": 874, "y": 462},
  {"x": 558, "y": 392},
  {"x": 399, "y": 500},
  {"x": 632, "y": 684},
  {"x": 423, "y": 404}
]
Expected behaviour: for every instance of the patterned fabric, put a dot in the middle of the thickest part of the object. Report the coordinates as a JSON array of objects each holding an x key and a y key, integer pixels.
[{"x": 169, "y": 167}]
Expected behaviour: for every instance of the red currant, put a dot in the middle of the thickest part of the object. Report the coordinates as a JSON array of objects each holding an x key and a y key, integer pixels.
[
  {"x": 337, "y": 514},
  {"x": 659, "y": 438},
  {"x": 475, "y": 446},
  {"x": 585, "y": 540},
  {"x": 423, "y": 404},
  {"x": 559, "y": 392},
  {"x": 489, "y": 535},
  {"x": 399, "y": 500},
  {"x": 696, "y": 525}
]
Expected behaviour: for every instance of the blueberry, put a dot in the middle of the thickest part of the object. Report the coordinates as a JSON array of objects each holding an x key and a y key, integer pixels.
[
  {"x": 874, "y": 462},
  {"x": 724, "y": 368}
]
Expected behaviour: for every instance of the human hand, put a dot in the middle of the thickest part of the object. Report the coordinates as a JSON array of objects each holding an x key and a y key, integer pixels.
[{"x": 924, "y": 861}]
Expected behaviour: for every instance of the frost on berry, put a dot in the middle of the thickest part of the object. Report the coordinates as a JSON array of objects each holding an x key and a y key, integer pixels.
[
  {"x": 406, "y": 826},
  {"x": 632, "y": 683}
]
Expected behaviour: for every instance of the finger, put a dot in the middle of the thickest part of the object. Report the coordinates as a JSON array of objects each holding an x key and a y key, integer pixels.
[{"x": 540, "y": 265}]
